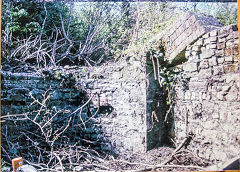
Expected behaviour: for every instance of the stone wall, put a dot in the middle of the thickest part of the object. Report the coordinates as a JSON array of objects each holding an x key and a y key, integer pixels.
[
  {"x": 15, "y": 99},
  {"x": 126, "y": 96},
  {"x": 17, "y": 87},
  {"x": 208, "y": 105},
  {"x": 189, "y": 27},
  {"x": 129, "y": 103},
  {"x": 122, "y": 88},
  {"x": 117, "y": 92}
]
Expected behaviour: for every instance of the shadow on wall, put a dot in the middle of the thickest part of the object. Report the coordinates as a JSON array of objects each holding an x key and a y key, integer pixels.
[
  {"x": 51, "y": 118},
  {"x": 91, "y": 133},
  {"x": 159, "y": 130}
]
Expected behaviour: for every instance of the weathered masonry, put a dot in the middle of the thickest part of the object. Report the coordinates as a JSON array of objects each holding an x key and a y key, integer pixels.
[
  {"x": 207, "y": 105},
  {"x": 117, "y": 91},
  {"x": 131, "y": 103},
  {"x": 210, "y": 104}
]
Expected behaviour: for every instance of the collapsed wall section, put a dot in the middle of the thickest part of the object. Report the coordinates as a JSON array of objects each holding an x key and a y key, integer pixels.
[{"x": 208, "y": 105}]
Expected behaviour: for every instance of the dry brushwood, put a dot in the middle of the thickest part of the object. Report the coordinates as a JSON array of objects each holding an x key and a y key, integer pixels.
[
  {"x": 45, "y": 140},
  {"x": 45, "y": 137},
  {"x": 61, "y": 47}
]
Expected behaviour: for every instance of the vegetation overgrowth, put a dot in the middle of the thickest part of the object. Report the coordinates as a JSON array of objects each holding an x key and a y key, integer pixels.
[
  {"x": 48, "y": 33},
  {"x": 42, "y": 34}
]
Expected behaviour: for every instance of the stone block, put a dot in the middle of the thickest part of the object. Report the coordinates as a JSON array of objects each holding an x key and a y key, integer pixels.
[
  {"x": 213, "y": 61},
  {"x": 203, "y": 49},
  {"x": 205, "y": 73},
  {"x": 187, "y": 53},
  {"x": 219, "y": 53},
  {"x": 207, "y": 35},
  {"x": 194, "y": 58},
  {"x": 190, "y": 67},
  {"x": 204, "y": 64},
  {"x": 236, "y": 42},
  {"x": 228, "y": 59},
  {"x": 220, "y": 60},
  {"x": 228, "y": 51},
  {"x": 210, "y": 62},
  {"x": 194, "y": 53},
  {"x": 221, "y": 40},
  {"x": 230, "y": 43},
  {"x": 199, "y": 42},
  {"x": 207, "y": 54},
  {"x": 230, "y": 68},
  {"x": 195, "y": 48},
  {"x": 213, "y": 33},
  {"x": 210, "y": 40},
  {"x": 235, "y": 50},
  {"x": 221, "y": 45},
  {"x": 212, "y": 46}
]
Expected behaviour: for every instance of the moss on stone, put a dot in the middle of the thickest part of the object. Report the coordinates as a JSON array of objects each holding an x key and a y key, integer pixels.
[{"x": 179, "y": 59}]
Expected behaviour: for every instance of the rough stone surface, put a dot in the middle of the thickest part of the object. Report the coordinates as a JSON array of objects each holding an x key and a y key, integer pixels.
[
  {"x": 119, "y": 93},
  {"x": 189, "y": 28},
  {"x": 131, "y": 105},
  {"x": 213, "y": 115}
]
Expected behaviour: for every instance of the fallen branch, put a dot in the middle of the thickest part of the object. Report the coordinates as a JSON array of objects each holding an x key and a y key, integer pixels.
[
  {"x": 152, "y": 167},
  {"x": 60, "y": 160},
  {"x": 171, "y": 166}
]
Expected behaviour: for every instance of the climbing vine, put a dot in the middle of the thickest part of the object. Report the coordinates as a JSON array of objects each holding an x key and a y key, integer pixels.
[{"x": 167, "y": 75}]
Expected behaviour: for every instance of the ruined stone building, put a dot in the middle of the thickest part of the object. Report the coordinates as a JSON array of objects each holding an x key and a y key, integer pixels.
[{"x": 203, "y": 51}]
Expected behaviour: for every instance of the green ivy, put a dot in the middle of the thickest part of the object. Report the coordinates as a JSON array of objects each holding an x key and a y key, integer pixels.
[{"x": 166, "y": 74}]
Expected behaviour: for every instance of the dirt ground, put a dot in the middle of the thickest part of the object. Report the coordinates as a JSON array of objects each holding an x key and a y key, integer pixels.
[{"x": 183, "y": 160}]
